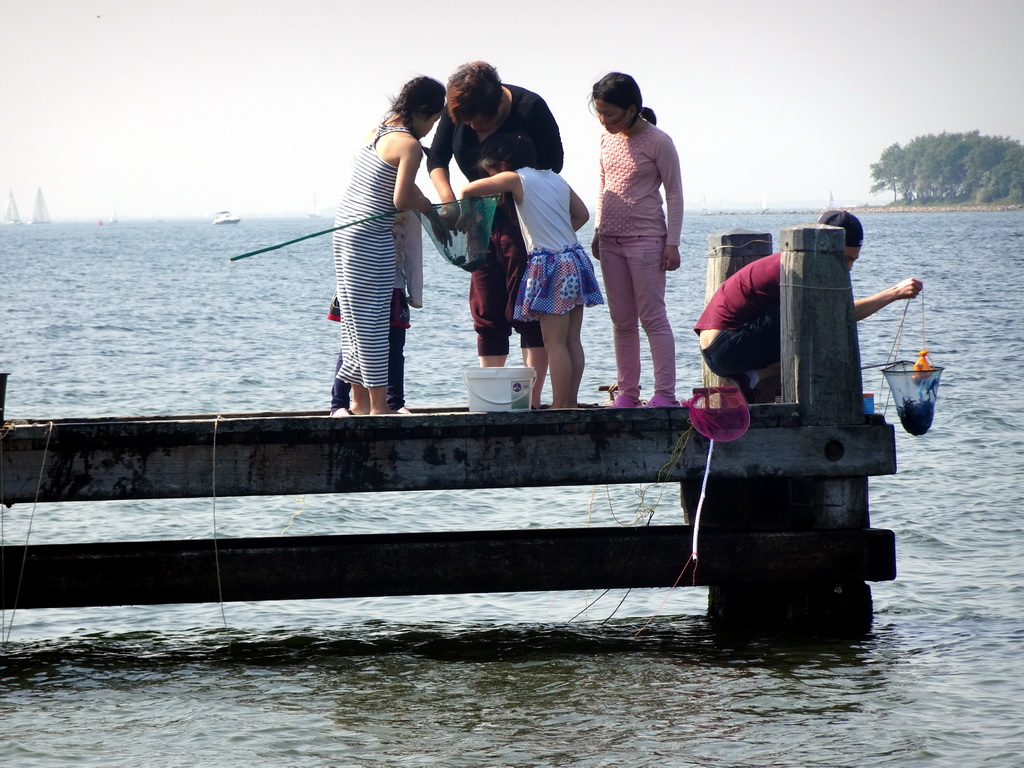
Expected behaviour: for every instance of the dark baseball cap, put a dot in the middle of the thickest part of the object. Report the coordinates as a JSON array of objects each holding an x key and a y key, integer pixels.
[{"x": 849, "y": 222}]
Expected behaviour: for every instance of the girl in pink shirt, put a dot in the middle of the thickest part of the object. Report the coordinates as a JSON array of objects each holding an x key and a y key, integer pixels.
[{"x": 634, "y": 242}]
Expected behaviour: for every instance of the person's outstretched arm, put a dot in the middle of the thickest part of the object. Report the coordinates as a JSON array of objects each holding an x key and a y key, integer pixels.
[{"x": 907, "y": 289}]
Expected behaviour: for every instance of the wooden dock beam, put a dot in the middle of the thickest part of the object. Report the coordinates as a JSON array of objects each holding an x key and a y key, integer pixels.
[
  {"x": 267, "y": 454},
  {"x": 295, "y": 567},
  {"x": 785, "y": 534}
]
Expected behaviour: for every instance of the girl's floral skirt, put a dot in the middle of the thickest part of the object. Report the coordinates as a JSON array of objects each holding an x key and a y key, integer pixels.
[{"x": 556, "y": 282}]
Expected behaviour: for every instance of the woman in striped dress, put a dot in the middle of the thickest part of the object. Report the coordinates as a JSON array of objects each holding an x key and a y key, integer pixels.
[{"x": 383, "y": 183}]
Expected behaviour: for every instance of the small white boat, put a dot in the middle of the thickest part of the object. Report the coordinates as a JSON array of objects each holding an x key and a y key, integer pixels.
[{"x": 225, "y": 217}]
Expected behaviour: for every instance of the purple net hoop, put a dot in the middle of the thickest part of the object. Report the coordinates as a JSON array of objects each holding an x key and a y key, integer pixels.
[{"x": 719, "y": 413}]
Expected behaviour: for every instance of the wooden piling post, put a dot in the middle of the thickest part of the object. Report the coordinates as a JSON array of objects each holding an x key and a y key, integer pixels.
[
  {"x": 729, "y": 252},
  {"x": 821, "y": 361},
  {"x": 821, "y": 376},
  {"x": 756, "y": 503},
  {"x": 3, "y": 396},
  {"x": 820, "y": 354}
]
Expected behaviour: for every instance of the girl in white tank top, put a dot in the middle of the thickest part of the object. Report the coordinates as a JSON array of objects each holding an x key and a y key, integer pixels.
[{"x": 559, "y": 280}]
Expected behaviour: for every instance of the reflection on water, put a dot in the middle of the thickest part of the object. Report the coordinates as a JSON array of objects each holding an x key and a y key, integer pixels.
[{"x": 387, "y": 693}]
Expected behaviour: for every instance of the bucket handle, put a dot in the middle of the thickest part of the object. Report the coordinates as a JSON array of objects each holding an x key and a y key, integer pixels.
[{"x": 501, "y": 402}]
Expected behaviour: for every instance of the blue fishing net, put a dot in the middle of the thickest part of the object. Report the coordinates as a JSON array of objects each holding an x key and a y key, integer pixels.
[{"x": 914, "y": 392}]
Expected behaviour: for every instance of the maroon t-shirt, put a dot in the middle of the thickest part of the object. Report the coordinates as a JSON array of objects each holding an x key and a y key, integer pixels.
[{"x": 745, "y": 295}]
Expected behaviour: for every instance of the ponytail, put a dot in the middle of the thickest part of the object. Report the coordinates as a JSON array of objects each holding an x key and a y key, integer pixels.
[
  {"x": 622, "y": 91},
  {"x": 419, "y": 96}
]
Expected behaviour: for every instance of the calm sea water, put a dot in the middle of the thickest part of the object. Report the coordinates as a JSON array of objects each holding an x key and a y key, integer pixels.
[{"x": 152, "y": 318}]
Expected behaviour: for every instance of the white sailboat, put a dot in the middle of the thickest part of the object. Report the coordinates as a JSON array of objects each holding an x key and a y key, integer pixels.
[
  {"x": 764, "y": 202},
  {"x": 831, "y": 201},
  {"x": 315, "y": 212},
  {"x": 40, "y": 215},
  {"x": 11, "y": 214}
]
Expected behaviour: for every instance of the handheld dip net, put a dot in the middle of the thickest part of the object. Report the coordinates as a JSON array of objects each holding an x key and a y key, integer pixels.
[
  {"x": 913, "y": 385},
  {"x": 460, "y": 231},
  {"x": 718, "y": 413}
]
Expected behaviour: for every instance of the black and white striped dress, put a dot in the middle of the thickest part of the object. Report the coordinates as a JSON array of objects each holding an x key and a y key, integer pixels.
[{"x": 364, "y": 265}]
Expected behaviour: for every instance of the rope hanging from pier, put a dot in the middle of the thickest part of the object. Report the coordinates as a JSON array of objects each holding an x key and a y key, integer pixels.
[
  {"x": 719, "y": 248},
  {"x": 5, "y": 637},
  {"x": 718, "y": 413},
  {"x": 847, "y": 289},
  {"x": 216, "y": 548}
]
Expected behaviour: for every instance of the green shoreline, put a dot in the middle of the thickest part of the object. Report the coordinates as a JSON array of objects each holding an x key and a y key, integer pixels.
[
  {"x": 878, "y": 209},
  {"x": 932, "y": 208}
]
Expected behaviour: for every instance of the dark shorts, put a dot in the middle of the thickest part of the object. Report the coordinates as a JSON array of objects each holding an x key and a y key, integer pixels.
[
  {"x": 494, "y": 288},
  {"x": 750, "y": 348}
]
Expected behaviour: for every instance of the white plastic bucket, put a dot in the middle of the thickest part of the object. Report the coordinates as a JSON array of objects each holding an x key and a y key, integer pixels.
[{"x": 499, "y": 389}]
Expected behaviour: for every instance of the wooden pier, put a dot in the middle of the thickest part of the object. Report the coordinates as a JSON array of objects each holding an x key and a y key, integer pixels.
[{"x": 785, "y": 534}]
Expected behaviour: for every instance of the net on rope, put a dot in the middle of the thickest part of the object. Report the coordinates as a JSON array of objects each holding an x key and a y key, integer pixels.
[{"x": 914, "y": 387}]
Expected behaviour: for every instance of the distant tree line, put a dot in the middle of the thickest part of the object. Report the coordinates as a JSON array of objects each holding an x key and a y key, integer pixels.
[{"x": 953, "y": 168}]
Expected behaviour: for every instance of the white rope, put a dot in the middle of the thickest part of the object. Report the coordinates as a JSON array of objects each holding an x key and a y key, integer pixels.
[
  {"x": 3, "y": 538},
  {"x": 28, "y": 534},
  {"x": 894, "y": 352},
  {"x": 815, "y": 287},
  {"x": 719, "y": 248},
  {"x": 700, "y": 505},
  {"x": 923, "y": 346},
  {"x": 216, "y": 550}
]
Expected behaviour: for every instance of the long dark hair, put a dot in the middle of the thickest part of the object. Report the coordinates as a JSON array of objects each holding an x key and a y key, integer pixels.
[
  {"x": 622, "y": 91},
  {"x": 513, "y": 149},
  {"x": 420, "y": 96}
]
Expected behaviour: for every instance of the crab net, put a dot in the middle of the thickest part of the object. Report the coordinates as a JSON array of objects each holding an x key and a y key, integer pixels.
[
  {"x": 914, "y": 387},
  {"x": 719, "y": 413},
  {"x": 461, "y": 231}
]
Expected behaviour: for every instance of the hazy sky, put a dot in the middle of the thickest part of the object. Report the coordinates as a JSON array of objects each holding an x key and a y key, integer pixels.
[{"x": 184, "y": 107}]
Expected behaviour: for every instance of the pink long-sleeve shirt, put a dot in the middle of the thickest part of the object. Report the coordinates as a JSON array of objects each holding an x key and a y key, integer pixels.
[{"x": 633, "y": 170}]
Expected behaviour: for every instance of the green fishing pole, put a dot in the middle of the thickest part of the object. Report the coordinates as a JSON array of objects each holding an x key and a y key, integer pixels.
[
  {"x": 314, "y": 234},
  {"x": 444, "y": 235}
]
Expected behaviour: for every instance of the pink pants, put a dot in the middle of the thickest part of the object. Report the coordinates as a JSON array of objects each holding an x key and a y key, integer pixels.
[{"x": 634, "y": 287}]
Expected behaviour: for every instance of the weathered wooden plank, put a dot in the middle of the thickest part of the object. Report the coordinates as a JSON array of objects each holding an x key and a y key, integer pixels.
[
  {"x": 251, "y": 455},
  {"x": 820, "y": 350},
  {"x": 288, "y": 568},
  {"x": 729, "y": 252},
  {"x": 821, "y": 361}
]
